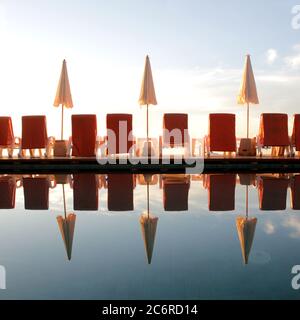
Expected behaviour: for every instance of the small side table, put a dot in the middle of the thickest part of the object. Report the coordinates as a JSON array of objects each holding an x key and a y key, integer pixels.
[
  {"x": 247, "y": 147},
  {"x": 60, "y": 148}
]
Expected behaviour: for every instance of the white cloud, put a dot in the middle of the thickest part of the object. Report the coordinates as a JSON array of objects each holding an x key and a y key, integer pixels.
[
  {"x": 293, "y": 61},
  {"x": 271, "y": 55},
  {"x": 294, "y": 224},
  {"x": 269, "y": 227}
]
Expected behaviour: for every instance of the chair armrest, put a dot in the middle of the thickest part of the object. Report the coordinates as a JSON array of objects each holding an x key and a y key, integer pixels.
[
  {"x": 69, "y": 146},
  {"x": 52, "y": 181},
  {"x": 259, "y": 142},
  {"x": 51, "y": 141},
  {"x": 160, "y": 146},
  {"x": 19, "y": 182},
  {"x": 71, "y": 182},
  {"x": 206, "y": 144}
]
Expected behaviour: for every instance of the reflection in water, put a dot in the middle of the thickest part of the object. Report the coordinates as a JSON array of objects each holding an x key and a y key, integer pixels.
[
  {"x": 191, "y": 254},
  {"x": 272, "y": 192},
  {"x": 66, "y": 223},
  {"x": 246, "y": 230},
  {"x": 245, "y": 225},
  {"x": 148, "y": 222},
  {"x": 85, "y": 191},
  {"x": 67, "y": 226},
  {"x": 295, "y": 192},
  {"x": 221, "y": 191},
  {"x": 120, "y": 189},
  {"x": 120, "y": 192},
  {"x": 175, "y": 192},
  {"x": 8, "y": 187},
  {"x": 36, "y": 192}
]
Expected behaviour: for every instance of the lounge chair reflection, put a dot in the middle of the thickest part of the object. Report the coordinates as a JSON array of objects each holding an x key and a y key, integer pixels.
[
  {"x": 8, "y": 185},
  {"x": 175, "y": 192},
  {"x": 272, "y": 191},
  {"x": 221, "y": 191},
  {"x": 120, "y": 192},
  {"x": 36, "y": 192},
  {"x": 85, "y": 191}
]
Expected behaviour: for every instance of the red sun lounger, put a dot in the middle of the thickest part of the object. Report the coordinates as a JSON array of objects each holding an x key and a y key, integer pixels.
[
  {"x": 34, "y": 135},
  {"x": 175, "y": 132},
  {"x": 295, "y": 140},
  {"x": 7, "y": 139},
  {"x": 221, "y": 133},
  {"x": 273, "y": 132},
  {"x": 84, "y": 135},
  {"x": 119, "y": 137}
]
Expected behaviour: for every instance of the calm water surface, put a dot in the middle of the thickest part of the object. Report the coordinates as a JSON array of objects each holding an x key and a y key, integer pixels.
[{"x": 188, "y": 237}]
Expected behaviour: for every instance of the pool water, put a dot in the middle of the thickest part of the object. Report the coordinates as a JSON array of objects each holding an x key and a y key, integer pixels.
[{"x": 123, "y": 236}]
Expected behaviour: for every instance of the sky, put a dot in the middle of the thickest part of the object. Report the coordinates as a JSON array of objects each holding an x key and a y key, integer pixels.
[{"x": 196, "y": 47}]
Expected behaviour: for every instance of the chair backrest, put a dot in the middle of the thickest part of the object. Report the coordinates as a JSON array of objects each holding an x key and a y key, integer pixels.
[
  {"x": 178, "y": 123},
  {"x": 84, "y": 135},
  {"x": 85, "y": 192},
  {"x": 176, "y": 193},
  {"x": 119, "y": 133},
  {"x": 7, "y": 192},
  {"x": 120, "y": 192},
  {"x": 34, "y": 132},
  {"x": 273, "y": 130},
  {"x": 222, "y": 132},
  {"x": 221, "y": 192},
  {"x": 296, "y": 132},
  {"x": 6, "y": 132},
  {"x": 36, "y": 193},
  {"x": 272, "y": 193}
]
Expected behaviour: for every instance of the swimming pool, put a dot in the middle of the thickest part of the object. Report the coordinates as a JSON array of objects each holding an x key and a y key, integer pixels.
[{"x": 124, "y": 236}]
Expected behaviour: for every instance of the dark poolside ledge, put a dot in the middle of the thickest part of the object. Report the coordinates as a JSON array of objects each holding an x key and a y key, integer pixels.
[{"x": 211, "y": 164}]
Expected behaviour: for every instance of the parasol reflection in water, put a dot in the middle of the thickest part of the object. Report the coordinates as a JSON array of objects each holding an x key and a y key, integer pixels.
[
  {"x": 67, "y": 226},
  {"x": 246, "y": 226},
  {"x": 148, "y": 224}
]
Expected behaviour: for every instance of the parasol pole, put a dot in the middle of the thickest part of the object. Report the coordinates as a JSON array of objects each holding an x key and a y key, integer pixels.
[
  {"x": 65, "y": 214},
  {"x": 147, "y": 124},
  {"x": 64, "y": 199},
  {"x": 148, "y": 205},
  {"x": 62, "y": 121},
  {"x": 247, "y": 120},
  {"x": 247, "y": 208}
]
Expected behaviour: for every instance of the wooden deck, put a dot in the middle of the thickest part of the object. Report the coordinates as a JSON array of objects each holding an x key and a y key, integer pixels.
[{"x": 211, "y": 164}]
